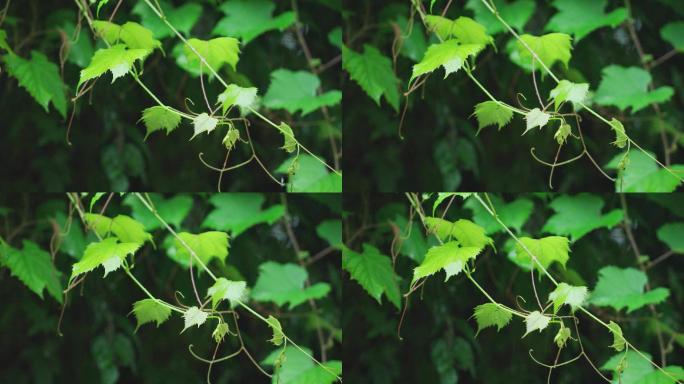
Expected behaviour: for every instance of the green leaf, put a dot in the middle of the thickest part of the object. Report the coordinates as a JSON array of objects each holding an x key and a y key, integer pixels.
[
  {"x": 40, "y": 78},
  {"x": 490, "y": 314},
  {"x": 618, "y": 340},
  {"x": 464, "y": 29},
  {"x": 672, "y": 235},
  {"x": 581, "y": 17},
  {"x": 307, "y": 174},
  {"x": 568, "y": 294},
  {"x": 619, "y": 288},
  {"x": 569, "y": 91},
  {"x": 516, "y": 13},
  {"x": 116, "y": 59},
  {"x": 290, "y": 143},
  {"x": 536, "y": 118},
  {"x": 562, "y": 336},
  {"x": 173, "y": 210},
  {"x": 330, "y": 231},
  {"x": 207, "y": 246},
  {"x": 450, "y": 54},
  {"x": 216, "y": 53},
  {"x": 547, "y": 250},
  {"x": 134, "y": 35},
  {"x": 224, "y": 289},
  {"x": 149, "y": 310},
  {"x": 642, "y": 174},
  {"x": 108, "y": 253},
  {"x": 296, "y": 91},
  {"x": 284, "y": 284},
  {"x": 373, "y": 72},
  {"x": 374, "y": 272},
  {"x": 536, "y": 321},
  {"x": 620, "y": 135},
  {"x": 237, "y": 212},
  {"x": 157, "y": 118},
  {"x": 3, "y": 41},
  {"x": 673, "y": 33},
  {"x": 627, "y": 87},
  {"x": 514, "y": 213},
  {"x": 194, "y": 316},
  {"x": 204, "y": 123},
  {"x": 449, "y": 256},
  {"x": 580, "y": 214},
  {"x": 236, "y": 95},
  {"x": 492, "y": 113},
  {"x": 247, "y": 19},
  {"x": 630, "y": 367},
  {"x": 293, "y": 366},
  {"x": 465, "y": 231},
  {"x": 124, "y": 227},
  {"x": 34, "y": 267},
  {"x": 550, "y": 48},
  {"x": 220, "y": 332},
  {"x": 561, "y": 135},
  {"x": 182, "y": 18},
  {"x": 277, "y": 329}
]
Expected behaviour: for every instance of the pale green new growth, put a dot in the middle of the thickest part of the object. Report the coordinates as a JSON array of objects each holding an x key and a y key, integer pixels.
[
  {"x": 536, "y": 321},
  {"x": 132, "y": 34},
  {"x": 116, "y": 59},
  {"x": 550, "y": 48},
  {"x": 157, "y": 118},
  {"x": 620, "y": 135},
  {"x": 450, "y": 54},
  {"x": 236, "y": 95},
  {"x": 149, "y": 310},
  {"x": 492, "y": 113},
  {"x": 618, "y": 340},
  {"x": 562, "y": 133},
  {"x": 448, "y": 256},
  {"x": 203, "y": 123},
  {"x": 277, "y": 329},
  {"x": 109, "y": 253},
  {"x": 547, "y": 250},
  {"x": 194, "y": 316},
  {"x": 536, "y": 118},
  {"x": 207, "y": 245},
  {"x": 568, "y": 294},
  {"x": 125, "y": 228},
  {"x": 216, "y": 52},
  {"x": 562, "y": 336},
  {"x": 465, "y": 231},
  {"x": 490, "y": 314},
  {"x": 569, "y": 91},
  {"x": 290, "y": 143},
  {"x": 220, "y": 332},
  {"x": 464, "y": 29},
  {"x": 224, "y": 289}
]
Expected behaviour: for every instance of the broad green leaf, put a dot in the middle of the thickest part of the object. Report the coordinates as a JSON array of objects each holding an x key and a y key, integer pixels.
[
  {"x": 464, "y": 29},
  {"x": 449, "y": 256},
  {"x": 331, "y": 231},
  {"x": 569, "y": 91},
  {"x": 673, "y": 33},
  {"x": 618, "y": 340},
  {"x": 492, "y": 113},
  {"x": 374, "y": 272},
  {"x": 157, "y": 118},
  {"x": 34, "y": 267},
  {"x": 514, "y": 214},
  {"x": 578, "y": 215},
  {"x": 116, "y": 59},
  {"x": 207, "y": 246},
  {"x": 536, "y": 321},
  {"x": 627, "y": 87},
  {"x": 81, "y": 45},
  {"x": 237, "y": 212},
  {"x": 194, "y": 316},
  {"x": 490, "y": 314},
  {"x": 149, "y": 310},
  {"x": 465, "y": 231},
  {"x": 247, "y": 19},
  {"x": 203, "y": 123},
  {"x": 581, "y": 17},
  {"x": 290, "y": 143},
  {"x": 277, "y": 329},
  {"x": 224, "y": 289},
  {"x": 373, "y": 72},
  {"x": 516, "y": 13},
  {"x": 412, "y": 243},
  {"x": 236, "y": 95},
  {"x": 220, "y": 332},
  {"x": 547, "y": 250},
  {"x": 293, "y": 366},
  {"x": 3, "y": 42},
  {"x": 620, "y": 135},
  {"x": 284, "y": 284},
  {"x": 182, "y": 18},
  {"x": 619, "y": 288},
  {"x": 296, "y": 91},
  {"x": 215, "y": 52},
  {"x": 109, "y": 253},
  {"x": 307, "y": 174},
  {"x": 134, "y": 35},
  {"x": 536, "y": 118},
  {"x": 124, "y": 227},
  {"x": 40, "y": 78},
  {"x": 550, "y": 48},
  {"x": 568, "y": 294},
  {"x": 450, "y": 54},
  {"x": 562, "y": 336},
  {"x": 642, "y": 174},
  {"x": 672, "y": 234},
  {"x": 561, "y": 135},
  {"x": 173, "y": 210},
  {"x": 632, "y": 368}
]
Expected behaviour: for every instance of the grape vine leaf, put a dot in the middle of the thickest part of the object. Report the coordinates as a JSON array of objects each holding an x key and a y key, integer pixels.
[
  {"x": 236, "y": 95},
  {"x": 124, "y": 227},
  {"x": 373, "y": 72},
  {"x": 536, "y": 118},
  {"x": 116, "y": 59},
  {"x": 517, "y": 13},
  {"x": 618, "y": 340},
  {"x": 207, "y": 245},
  {"x": 671, "y": 234},
  {"x": 294, "y": 366},
  {"x": 182, "y": 18},
  {"x": 194, "y": 316},
  {"x": 550, "y": 48},
  {"x": 561, "y": 135},
  {"x": 149, "y": 310},
  {"x": 290, "y": 143},
  {"x": 568, "y": 294},
  {"x": 330, "y": 231},
  {"x": 515, "y": 213},
  {"x": 562, "y": 336},
  {"x": 441, "y": 196},
  {"x": 247, "y": 19},
  {"x": 216, "y": 53},
  {"x": 40, "y": 78},
  {"x": 374, "y": 272},
  {"x": 3, "y": 41},
  {"x": 536, "y": 321},
  {"x": 449, "y": 54},
  {"x": 224, "y": 289},
  {"x": 465, "y": 231},
  {"x": 109, "y": 253},
  {"x": 284, "y": 284},
  {"x": 619, "y": 288},
  {"x": 277, "y": 329},
  {"x": 632, "y": 368},
  {"x": 578, "y": 215},
  {"x": 203, "y": 123},
  {"x": 220, "y": 332},
  {"x": 34, "y": 267},
  {"x": 174, "y": 210},
  {"x": 308, "y": 174},
  {"x": 133, "y": 35},
  {"x": 627, "y": 87},
  {"x": 492, "y": 113},
  {"x": 569, "y": 91},
  {"x": 296, "y": 91},
  {"x": 547, "y": 250},
  {"x": 643, "y": 174},
  {"x": 673, "y": 33},
  {"x": 490, "y": 314},
  {"x": 160, "y": 117},
  {"x": 581, "y": 17},
  {"x": 237, "y": 212},
  {"x": 413, "y": 244},
  {"x": 464, "y": 29},
  {"x": 620, "y": 135},
  {"x": 449, "y": 256}
]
